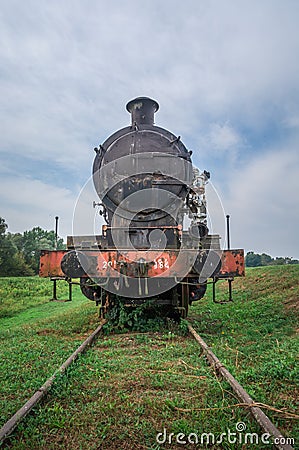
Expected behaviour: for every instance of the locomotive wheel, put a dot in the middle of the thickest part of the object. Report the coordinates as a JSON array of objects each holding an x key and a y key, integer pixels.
[{"x": 89, "y": 289}]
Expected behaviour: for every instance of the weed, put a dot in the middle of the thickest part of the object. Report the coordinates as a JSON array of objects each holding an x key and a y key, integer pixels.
[{"x": 144, "y": 318}]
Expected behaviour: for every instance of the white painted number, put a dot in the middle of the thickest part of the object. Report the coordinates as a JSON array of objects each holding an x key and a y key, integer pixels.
[
  {"x": 161, "y": 263},
  {"x": 107, "y": 264}
]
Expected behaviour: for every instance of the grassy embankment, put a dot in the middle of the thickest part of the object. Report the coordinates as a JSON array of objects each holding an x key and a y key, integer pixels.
[{"x": 129, "y": 387}]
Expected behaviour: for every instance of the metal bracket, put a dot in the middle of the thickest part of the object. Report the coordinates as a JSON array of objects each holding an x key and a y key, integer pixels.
[
  {"x": 230, "y": 298},
  {"x": 54, "y": 280}
]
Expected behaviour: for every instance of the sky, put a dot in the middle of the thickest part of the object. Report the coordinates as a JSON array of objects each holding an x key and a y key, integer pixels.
[{"x": 225, "y": 75}]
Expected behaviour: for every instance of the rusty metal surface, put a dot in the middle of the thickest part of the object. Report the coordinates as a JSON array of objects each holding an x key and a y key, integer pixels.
[
  {"x": 233, "y": 263},
  {"x": 49, "y": 265},
  {"x": 136, "y": 263},
  {"x": 140, "y": 263}
]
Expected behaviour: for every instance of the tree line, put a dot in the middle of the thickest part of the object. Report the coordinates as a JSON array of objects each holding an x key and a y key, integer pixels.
[
  {"x": 19, "y": 252},
  {"x": 255, "y": 259}
]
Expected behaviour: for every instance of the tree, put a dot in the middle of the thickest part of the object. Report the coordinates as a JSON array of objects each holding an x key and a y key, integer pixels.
[
  {"x": 3, "y": 227},
  {"x": 12, "y": 262},
  {"x": 19, "y": 253},
  {"x": 7, "y": 249},
  {"x": 279, "y": 260},
  {"x": 36, "y": 240},
  {"x": 252, "y": 259},
  {"x": 266, "y": 260}
]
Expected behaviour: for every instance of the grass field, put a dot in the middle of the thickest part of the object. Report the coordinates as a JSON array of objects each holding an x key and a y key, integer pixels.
[{"x": 131, "y": 386}]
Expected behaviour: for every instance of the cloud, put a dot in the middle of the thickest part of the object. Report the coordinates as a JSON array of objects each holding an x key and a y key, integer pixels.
[
  {"x": 223, "y": 137},
  {"x": 225, "y": 75},
  {"x": 220, "y": 142},
  {"x": 221, "y": 60},
  {"x": 263, "y": 200},
  {"x": 29, "y": 202},
  {"x": 26, "y": 203}
]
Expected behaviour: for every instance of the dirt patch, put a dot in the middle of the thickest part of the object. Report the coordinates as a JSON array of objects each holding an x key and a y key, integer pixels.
[
  {"x": 292, "y": 303},
  {"x": 46, "y": 332},
  {"x": 289, "y": 397}
]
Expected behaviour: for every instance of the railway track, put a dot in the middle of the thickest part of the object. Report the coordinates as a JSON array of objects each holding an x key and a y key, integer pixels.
[
  {"x": 14, "y": 421},
  {"x": 263, "y": 420},
  {"x": 265, "y": 423}
]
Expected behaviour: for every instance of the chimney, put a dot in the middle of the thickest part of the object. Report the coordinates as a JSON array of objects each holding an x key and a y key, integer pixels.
[{"x": 142, "y": 110}]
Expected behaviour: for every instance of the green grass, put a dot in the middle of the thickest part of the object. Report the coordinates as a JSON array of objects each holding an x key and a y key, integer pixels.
[
  {"x": 129, "y": 387},
  {"x": 36, "y": 335}
]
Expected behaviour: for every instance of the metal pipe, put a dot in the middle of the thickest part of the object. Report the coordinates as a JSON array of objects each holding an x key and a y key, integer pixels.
[
  {"x": 228, "y": 232},
  {"x": 54, "y": 290},
  {"x": 230, "y": 290},
  {"x": 56, "y": 231},
  {"x": 70, "y": 291}
]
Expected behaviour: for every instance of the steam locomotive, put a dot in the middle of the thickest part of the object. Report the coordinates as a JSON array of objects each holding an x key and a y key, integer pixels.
[{"x": 155, "y": 244}]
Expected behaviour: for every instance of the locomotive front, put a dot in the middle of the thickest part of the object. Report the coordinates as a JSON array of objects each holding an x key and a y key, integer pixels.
[
  {"x": 147, "y": 187},
  {"x": 141, "y": 174}
]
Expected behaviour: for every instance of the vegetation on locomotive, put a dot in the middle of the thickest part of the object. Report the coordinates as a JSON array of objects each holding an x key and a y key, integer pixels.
[{"x": 148, "y": 186}]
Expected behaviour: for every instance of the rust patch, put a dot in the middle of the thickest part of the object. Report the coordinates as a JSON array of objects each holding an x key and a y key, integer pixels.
[
  {"x": 233, "y": 264},
  {"x": 50, "y": 263}
]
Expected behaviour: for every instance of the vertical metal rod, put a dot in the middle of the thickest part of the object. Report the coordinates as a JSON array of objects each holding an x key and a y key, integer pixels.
[
  {"x": 230, "y": 297},
  {"x": 70, "y": 290},
  {"x": 55, "y": 246},
  {"x": 228, "y": 232},
  {"x": 54, "y": 290},
  {"x": 56, "y": 231},
  {"x": 214, "y": 290}
]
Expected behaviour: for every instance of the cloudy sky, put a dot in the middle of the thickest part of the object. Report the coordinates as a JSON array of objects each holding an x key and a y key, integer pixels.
[{"x": 225, "y": 74}]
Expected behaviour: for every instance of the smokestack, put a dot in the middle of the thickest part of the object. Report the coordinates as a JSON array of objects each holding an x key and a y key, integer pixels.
[{"x": 142, "y": 110}]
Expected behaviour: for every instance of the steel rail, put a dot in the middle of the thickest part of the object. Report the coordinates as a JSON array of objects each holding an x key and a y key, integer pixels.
[
  {"x": 262, "y": 419},
  {"x": 12, "y": 423}
]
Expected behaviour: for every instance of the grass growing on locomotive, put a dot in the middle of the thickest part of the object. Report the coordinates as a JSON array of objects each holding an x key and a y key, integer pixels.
[{"x": 146, "y": 255}]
